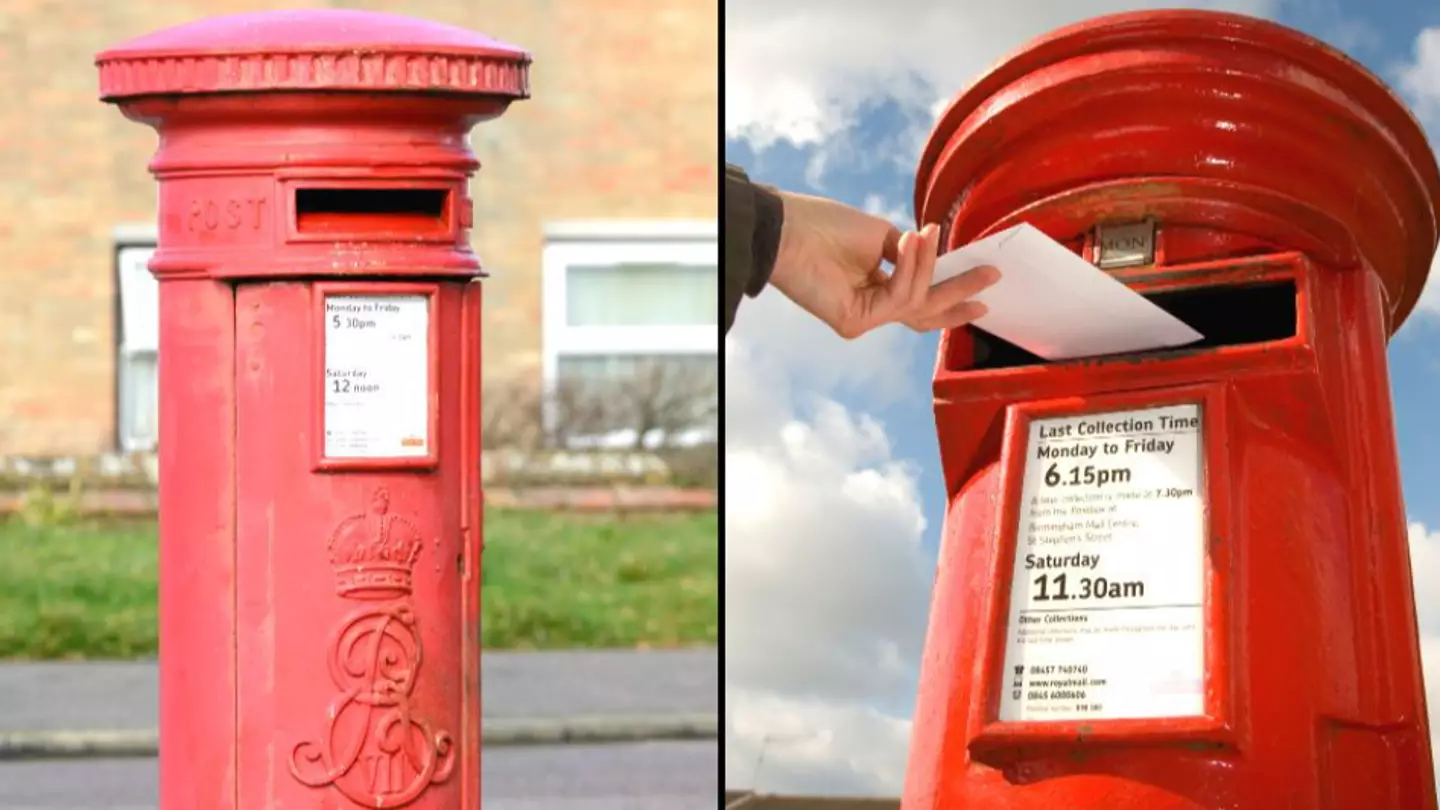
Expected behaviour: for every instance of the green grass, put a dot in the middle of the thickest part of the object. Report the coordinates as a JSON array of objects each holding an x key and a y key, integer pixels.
[{"x": 550, "y": 581}]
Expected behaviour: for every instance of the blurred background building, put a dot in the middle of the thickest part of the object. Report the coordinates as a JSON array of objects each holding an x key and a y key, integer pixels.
[{"x": 595, "y": 217}]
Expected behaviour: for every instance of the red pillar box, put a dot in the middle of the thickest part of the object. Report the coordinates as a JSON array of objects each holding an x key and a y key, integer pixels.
[
  {"x": 320, "y": 532},
  {"x": 1180, "y": 579}
]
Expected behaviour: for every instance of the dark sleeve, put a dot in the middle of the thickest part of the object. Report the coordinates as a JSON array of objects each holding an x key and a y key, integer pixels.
[{"x": 754, "y": 215}]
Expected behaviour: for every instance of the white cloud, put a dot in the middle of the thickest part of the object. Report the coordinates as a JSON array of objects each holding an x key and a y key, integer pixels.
[
  {"x": 1429, "y": 302},
  {"x": 895, "y": 212},
  {"x": 1425, "y": 567},
  {"x": 787, "y": 745},
  {"x": 1419, "y": 83},
  {"x": 1420, "y": 77},
  {"x": 826, "y": 584},
  {"x": 795, "y": 351},
  {"x": 800, "y": 70}
]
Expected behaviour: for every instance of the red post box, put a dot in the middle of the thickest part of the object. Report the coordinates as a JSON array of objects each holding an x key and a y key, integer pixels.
[
  {"x": 1180, "y": 579},
  {"x": 320, "y": 526}
]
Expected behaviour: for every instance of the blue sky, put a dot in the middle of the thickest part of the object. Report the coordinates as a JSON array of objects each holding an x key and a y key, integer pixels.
[{"x": 834, "y": 497}]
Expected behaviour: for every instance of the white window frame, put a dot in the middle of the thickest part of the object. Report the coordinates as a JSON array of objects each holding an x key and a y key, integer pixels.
[
  {"x": 567, "y": 244},
  {"x": 137, "y": 330}
]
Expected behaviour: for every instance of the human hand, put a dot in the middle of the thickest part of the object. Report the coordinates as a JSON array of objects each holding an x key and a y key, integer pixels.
[{"x": 829, "y": 263}]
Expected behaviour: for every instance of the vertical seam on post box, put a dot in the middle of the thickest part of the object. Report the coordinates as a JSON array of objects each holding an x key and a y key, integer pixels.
[
  {"x": 470, "y": 313},
  {"x": 234, "y": 378}
]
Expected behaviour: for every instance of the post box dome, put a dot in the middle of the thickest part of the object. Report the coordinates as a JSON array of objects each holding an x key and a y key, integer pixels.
[
  {"x": 313, "y": 50},
  {"x": 1199, "y": 119}
]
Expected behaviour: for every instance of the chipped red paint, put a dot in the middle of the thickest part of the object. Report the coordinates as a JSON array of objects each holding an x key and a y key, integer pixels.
[
  {"x": 319, "y": 617},
  {"x": 1265, "y": 157}
]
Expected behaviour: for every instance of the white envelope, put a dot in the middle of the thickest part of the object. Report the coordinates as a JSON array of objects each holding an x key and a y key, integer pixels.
[{"x": 1054, "y": 304}]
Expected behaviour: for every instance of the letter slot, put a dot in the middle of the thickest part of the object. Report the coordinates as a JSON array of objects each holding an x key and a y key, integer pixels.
[
  {"x": 362, "y": 212},
  {"x": 1226, "y": 314}
]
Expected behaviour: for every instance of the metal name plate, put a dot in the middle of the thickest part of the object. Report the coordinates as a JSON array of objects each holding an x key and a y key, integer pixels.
[{"x": 1130, "y": 244}]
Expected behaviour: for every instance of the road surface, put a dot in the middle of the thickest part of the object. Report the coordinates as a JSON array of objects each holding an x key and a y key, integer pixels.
[
  {"x": 639, "y": 776},
  {"x": 81, "y": 696}
]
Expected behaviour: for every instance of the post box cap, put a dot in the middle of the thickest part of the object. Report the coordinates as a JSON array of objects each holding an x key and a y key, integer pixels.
[
  {"x": 1195, "y": 118},
  {"x": 312, "y": 50}
]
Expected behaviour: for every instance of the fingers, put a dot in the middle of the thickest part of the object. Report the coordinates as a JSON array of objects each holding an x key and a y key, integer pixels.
[
  {"x": 906, "y": 288},
  {"x": 948, "y": 304},
  {"x": 963, "y": 287},
  {"x": 956, "y": 316},
  {"x": 901, "y": 282},
  {"x": 890, "y": 248},
  {"x": 924, "y": 246},
  {"x": 909, "y": 295}
]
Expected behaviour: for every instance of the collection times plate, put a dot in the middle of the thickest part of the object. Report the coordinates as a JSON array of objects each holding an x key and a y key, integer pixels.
[{"x": 1106, "y": 615}]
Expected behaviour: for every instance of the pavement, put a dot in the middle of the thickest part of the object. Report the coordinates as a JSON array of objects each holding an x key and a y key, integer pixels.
[
  {"x": 623, "y": 776},
  {"x": 58, "y": 710}
]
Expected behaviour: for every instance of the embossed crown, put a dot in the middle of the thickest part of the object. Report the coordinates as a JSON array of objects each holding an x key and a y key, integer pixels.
[{"x": 374, "y": 554}]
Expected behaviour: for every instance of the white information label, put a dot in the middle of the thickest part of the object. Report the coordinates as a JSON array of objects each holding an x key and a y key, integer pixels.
[
  {"x": 376, "y": 376},
  {"x": 1107, "y": 597}
]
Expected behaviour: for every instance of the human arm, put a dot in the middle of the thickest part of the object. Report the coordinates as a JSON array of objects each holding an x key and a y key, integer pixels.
[
  {"x": 754, "y": 216},
  {"x": 830, "y": 259}
]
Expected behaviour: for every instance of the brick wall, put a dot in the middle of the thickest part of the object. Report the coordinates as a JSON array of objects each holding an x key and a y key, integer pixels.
[{"x": 622, "y": 124}]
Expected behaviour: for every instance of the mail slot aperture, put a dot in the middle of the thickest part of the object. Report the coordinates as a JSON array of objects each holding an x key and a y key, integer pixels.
[
  {"x": 1226, "y": 314},
  {"x": 372, "y": 211}
]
